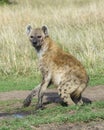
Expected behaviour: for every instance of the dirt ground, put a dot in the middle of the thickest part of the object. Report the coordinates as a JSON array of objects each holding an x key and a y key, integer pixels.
[
  {"x": 95, "y": 93},
  {"x": 91, "y": 93},
  {"x": 98, "y": 125}
]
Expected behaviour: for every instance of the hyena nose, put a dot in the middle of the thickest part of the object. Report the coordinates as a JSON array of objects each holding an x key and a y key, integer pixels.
[{"x": 34, "y": 42}]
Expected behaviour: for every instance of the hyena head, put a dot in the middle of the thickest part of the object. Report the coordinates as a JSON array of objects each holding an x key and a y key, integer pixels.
[{"x": 37, "y": 35}]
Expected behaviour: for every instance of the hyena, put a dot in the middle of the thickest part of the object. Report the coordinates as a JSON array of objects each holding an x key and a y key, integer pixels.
[{"x": 57, "y": 67}]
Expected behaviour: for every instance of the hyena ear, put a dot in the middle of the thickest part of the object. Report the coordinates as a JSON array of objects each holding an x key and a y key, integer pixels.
[
  {"x": 28, "y": 29},
  {"x": 45, "y": 30}
]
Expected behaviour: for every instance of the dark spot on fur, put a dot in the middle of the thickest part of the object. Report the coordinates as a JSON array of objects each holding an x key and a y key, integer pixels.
[
  {"x": 67, "y": 85},
  {"x": 65, "y": 90},
  {"x": 65, "y": 96},
  {"x": 60, "y": 89},
  {"x": 62, "y": 84},
  {"x": 74, "y": 80}
]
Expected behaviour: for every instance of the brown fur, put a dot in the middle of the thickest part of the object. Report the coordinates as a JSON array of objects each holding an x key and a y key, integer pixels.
[{"x": 60, "y": 68}]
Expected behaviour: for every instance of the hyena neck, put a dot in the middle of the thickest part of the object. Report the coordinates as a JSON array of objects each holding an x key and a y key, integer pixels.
[{"x": 41, "y": 50}]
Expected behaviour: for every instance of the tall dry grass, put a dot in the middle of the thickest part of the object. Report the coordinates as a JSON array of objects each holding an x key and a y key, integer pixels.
[{"x": 78, "y": 25}]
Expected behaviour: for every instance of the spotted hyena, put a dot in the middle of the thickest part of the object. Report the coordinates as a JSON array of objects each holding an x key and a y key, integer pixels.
[{"x": 57, "y": 67}]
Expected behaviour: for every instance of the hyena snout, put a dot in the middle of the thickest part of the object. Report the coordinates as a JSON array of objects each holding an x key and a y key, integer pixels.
[{"x": 36, "y": 41}]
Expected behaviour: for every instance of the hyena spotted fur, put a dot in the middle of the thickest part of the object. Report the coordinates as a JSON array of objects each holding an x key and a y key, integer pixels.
[{"x": 57, "y": 67}]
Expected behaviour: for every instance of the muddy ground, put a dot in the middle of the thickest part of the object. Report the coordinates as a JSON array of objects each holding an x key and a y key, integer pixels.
[{"x": 91, "y": 93}]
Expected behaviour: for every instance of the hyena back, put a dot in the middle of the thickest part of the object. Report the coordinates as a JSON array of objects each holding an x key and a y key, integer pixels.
[{"x": 57, "y": 67}]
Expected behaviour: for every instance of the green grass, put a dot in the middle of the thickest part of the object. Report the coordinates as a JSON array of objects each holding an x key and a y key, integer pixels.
[
  {"x": 56, "y": 114},
  {"x": 19, "y": 83},
  {"x": 2, "y": 2},
  {"x": 28, "y": 83},
  {"x": 96, "y": 80}
]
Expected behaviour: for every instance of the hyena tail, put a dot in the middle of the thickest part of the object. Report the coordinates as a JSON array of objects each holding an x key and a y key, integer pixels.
[{"x": 77, "y": 94}]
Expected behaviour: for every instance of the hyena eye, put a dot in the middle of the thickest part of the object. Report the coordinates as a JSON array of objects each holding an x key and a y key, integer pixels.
[
  {"x": 31, "y": 36},
  {"x": 39, "y": 36}
]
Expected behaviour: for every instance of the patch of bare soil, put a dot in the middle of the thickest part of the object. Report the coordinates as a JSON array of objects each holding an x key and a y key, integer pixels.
[
  {"x": 13, "y": 95},
  {"x": 98, "y": 125},
  {"x": 93, "y": 93}
]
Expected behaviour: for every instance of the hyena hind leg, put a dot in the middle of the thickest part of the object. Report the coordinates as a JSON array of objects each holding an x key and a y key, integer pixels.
[{"x": 65, "y": 96}]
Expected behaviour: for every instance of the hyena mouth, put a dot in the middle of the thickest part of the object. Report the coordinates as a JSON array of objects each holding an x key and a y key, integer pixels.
[{"x": 36, "y": 45}]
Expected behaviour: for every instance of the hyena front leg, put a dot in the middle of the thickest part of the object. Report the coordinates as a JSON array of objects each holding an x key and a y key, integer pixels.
[
  {"x": 28, "y": 99},
  {"x": 45, "y": 83}
]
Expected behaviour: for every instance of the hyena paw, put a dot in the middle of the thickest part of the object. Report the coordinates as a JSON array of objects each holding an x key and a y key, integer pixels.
[
  {"x": 39, "y": 107},
  {"x": 27, "y": 101}
]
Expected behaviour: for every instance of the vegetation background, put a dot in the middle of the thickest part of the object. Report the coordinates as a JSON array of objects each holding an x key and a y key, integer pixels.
[{"x": 77, "y": 25}]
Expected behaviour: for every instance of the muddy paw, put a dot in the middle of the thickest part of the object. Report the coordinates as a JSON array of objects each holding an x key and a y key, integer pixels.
[
  {"x": 39, "y": 107},
  {"x": 27, "y": 101}
]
